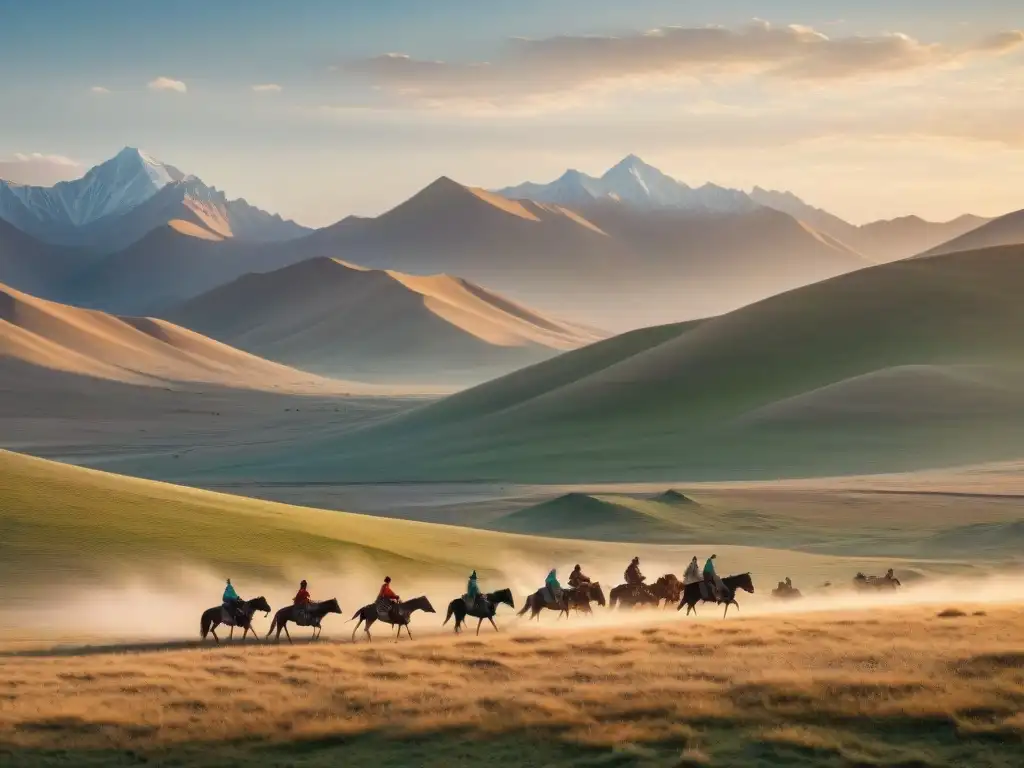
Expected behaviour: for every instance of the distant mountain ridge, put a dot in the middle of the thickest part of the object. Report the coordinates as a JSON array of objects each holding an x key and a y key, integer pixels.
[
  {"x": 112, "y": 206},
  {"x": 639, "y": 185}
]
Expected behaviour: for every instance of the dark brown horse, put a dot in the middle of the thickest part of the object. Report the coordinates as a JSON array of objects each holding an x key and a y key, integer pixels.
[
  {"x": 692, "y": 593},
  {"x": 541, "y": 600},
  {"x": 398, "y": 615},
  {"x": 877, "y": 583},
  {"x": 304, "y": 616},
  {"x": 214, "y": 617},
  {"x": 580, "y": 598},
  {"x": 668, "y": 588},
  {"x": 632, "y": 595},
  {"x": 487, "y": 610}
]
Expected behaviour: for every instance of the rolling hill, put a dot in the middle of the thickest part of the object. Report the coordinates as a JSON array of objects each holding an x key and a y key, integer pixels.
[
  {"x": 329, "y": 317},
  {"x": 43, "y": 341},
  {"x": 905, "y": 365},
  {"x": 1006, "y": 230},
  {"x": 36, "y": 267}
]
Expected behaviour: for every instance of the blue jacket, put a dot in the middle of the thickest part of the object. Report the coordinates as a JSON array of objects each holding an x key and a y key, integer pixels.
[
  {"x": 471, "y": 588},
  {"x": 229, "y": 594},
  {"x": 709, "y": 567}
]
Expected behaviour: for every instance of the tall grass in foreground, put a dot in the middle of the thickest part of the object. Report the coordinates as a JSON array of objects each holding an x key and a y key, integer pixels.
[{"x": 893, "y": 688}]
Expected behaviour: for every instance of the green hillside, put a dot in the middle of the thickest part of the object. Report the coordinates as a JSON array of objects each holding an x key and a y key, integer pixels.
[{"x": 905, "y": 365}]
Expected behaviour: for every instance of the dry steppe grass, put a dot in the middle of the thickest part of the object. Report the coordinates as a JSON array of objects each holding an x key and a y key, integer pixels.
[{"x": 888, "y": 688}]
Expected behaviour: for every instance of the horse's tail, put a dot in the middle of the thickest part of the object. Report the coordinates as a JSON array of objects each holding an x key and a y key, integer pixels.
[
  {"x": 273, "y": 625},
  {"x": 613, "y": 598},
  {"x": 527, "y": 604},
  {"x": 451, "y": 610},
  {"x": 356, "y": 615},
  {"x": 204, "y": 625}
]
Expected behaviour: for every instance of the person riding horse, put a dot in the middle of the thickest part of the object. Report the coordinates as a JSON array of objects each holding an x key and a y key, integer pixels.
[
  {"x": 713, "y": 583},
  {"x": 633, "y": 577},
  {"x": 233, "y": 604},
  {"x": 692, "y": 573},
  {"x": 302, "y": 599},
  {"x": 553, "y": 587},
  {"x": 387, "y": 600},
  {"x": 577, "y": 578},
  {"x": 473, "y": 597}
]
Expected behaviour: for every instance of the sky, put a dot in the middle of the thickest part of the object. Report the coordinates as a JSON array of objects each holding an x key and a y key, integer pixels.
[{"x": 319, "y": 109}]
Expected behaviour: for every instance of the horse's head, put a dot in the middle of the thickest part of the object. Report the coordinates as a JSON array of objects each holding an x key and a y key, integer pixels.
[
  {"x": 330, "y": 606},
  {"x": 419, "y": 604},
  {"x": 744, "y": 581},
  {"x": 502, "y": 596},
  {"x": 259, "y": 604},
  {"x": 597, "y": 594}
]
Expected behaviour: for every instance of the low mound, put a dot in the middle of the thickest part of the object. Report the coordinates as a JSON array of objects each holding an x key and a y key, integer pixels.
[
  {"x": 602, "y": 517},
  {"x": 983, "y": 540},
  {"x": 672, "y": 496},
  {"x": 44, "y": 338},
  {"x": 334, "y": 318},
  {"x": 689, "y": 404}
]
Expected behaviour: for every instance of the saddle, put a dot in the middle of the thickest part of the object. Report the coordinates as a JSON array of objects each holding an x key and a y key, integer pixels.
[
  {"x": 385, "y": 609},
  {"x": 303, "y": 617},
  {"x": 707, "y": 591},
  {"x": 231, "y": 617}
]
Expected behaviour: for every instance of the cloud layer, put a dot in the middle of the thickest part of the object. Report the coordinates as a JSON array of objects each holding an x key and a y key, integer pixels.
[
  {"x": 267, "y": 88},
  {"x": 37, "y": 169},
  {"x": 530, "y": 68},
  {"x": 167, "y": 84}
]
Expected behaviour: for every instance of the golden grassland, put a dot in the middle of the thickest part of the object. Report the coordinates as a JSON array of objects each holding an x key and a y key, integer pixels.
[{"x": 907, "y": 688}]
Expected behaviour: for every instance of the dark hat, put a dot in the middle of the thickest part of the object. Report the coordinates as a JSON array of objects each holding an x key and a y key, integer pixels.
[{"x": 387, "y": 579}]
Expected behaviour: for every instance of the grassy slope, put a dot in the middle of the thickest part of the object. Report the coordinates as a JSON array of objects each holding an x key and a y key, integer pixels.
[
  {"x": 899, "y": 687},
  {"x": 673, "y": 406},
  {"x": 68, "y": 525}
]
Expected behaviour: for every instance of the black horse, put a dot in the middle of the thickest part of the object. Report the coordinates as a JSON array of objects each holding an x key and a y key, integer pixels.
[
  {"x": 214, "y": 617},
  {"x": 692, "y": 593},
  {"x": 309, "y": 615},
  {"x": 458, "y": 608}
]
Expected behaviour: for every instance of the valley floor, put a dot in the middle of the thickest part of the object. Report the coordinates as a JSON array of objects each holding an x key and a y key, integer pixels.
[{"x": 892, "y": 687}]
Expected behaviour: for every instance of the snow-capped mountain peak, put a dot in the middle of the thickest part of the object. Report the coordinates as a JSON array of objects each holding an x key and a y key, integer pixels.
[{"x": 634, "y": 183}]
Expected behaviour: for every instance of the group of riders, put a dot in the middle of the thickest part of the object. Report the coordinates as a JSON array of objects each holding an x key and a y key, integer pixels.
[
  {"x": 475, "y": 598},
  {"x": 235, "y": 605}
]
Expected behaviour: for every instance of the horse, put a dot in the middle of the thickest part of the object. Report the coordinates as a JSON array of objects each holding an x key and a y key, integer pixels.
[
  {"x": 692, "y": 594},
  {"x": 309, "y": 615},
  {"x": 398, "y": 615},
  {"x": 878, "y": 583},
  {"x": 579, "y": 598},
  {"x": 458, "y": 608},
  {"x": 632, "y": 595},
  {"x": 668, "y": 588},
  {"x": 214, "y": 617},
  {"x": 538, "y": 601}
]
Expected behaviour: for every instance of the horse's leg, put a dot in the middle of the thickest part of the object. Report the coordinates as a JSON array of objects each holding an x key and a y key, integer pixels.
[
  {"x": 287, "y": 633},
  {"x": 407, "y": 630},
  {"x": 491, "y": 619},
  {"x": 232, "y": 635},
  {"x": 478, "y": 627},
  {"x": 356, "y": 628},
  {"x": 213, "y": 631}
]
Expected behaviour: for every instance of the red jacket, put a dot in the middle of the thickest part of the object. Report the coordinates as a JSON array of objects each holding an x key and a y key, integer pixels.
[
  {"x": 301, "y": 597},
  {"x": 386, "y": 591}
]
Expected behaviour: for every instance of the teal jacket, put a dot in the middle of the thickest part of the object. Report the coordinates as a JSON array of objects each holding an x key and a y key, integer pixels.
[
  {"x": 552, "y": 581},
  {"x": 709, "y": 567},
  {"x": 472, "y": 589},
  {"x": 229, "y": 594}
]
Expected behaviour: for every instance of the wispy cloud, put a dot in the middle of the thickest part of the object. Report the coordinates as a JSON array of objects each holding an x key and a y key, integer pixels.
[
  {"x": 99, "y": 89},
  {"x": 529, "y": 68},
  {"x": 38, "y": 169},
  {"x": 267, "y": 88},
  {"x": 167, "y": 84}
]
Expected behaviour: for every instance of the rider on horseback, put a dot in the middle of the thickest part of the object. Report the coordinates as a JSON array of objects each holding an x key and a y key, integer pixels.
[
  {"x": 711, "y": 578},
  {"x": 692, "y": 572},
  {"x": 577, "y": 578},
  {"x": 553, "y": 587},
  {"x": 387, "y": 595},
  {"x": 233, "y": 604},
  {"x": 633, "y": 577},
  {"x": 302, "y": 599},
  {"x": 472, "y": 596}
]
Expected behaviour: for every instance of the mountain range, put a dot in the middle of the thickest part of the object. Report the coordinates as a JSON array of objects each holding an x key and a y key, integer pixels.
[
  {"x": 117, "y": 202},
  {"x": 638, "y": 185}
]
